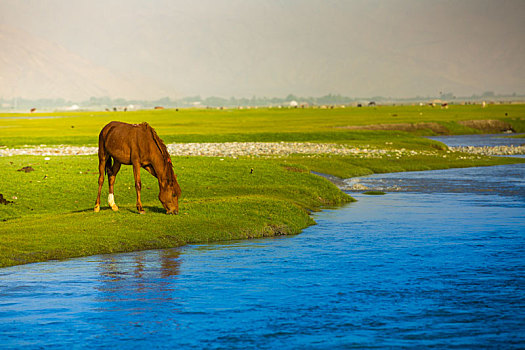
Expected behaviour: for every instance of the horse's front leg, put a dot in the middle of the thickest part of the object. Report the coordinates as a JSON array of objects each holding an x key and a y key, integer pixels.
[{"x": 138, "y": 186}]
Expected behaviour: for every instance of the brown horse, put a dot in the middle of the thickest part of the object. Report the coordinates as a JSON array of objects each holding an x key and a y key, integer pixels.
[{"x": 140, "y": 146}]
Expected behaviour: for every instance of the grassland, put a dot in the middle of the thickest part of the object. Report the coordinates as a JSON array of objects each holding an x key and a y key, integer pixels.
[
  {"x": 51, "y": 215},
  {"x": 197, "y": 125}
]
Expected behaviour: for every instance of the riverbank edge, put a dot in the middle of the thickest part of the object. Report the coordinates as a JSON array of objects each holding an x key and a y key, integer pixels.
[
  {"x": 235, "y": 214},
  {"x": 221, "y": 231},
  {"x": 272, "y": 217}
]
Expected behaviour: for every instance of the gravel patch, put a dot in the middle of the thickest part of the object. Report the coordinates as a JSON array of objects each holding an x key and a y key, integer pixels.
[
  {"x": 234, "y": 149},
  {"x": 238, "y": 149},
  {"x": 228, "y": 149},
  {"x": 491, "y": 151},
  {"x": 43, "y": 150}
]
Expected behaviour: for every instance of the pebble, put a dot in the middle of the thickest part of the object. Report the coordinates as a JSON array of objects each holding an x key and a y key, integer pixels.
[
  {"x": 43, "y": 150},
  {"x": 227, "y": 149},
  {"x": 237, "y": 149},
  {"x": 491, "y": 150},
  {"x": 234, "y": 149}
]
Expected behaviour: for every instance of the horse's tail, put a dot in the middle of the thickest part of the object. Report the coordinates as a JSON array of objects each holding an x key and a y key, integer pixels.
[
  {"x": 109, "y": 164},
  {"x": 102, "y": 154}
]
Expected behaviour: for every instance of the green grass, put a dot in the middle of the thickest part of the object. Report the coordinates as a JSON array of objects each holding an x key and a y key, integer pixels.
[
  {"x": 521, "y": 136},
  {"x": 52, "y": 215},
  {"x": 198, "y": 125},
  {"x": 346, "y": 167}
]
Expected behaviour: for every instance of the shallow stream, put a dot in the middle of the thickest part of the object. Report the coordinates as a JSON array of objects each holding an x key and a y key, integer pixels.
[{"x": 481, "y": 140}]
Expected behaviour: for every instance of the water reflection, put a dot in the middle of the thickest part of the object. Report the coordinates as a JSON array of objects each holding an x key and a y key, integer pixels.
[
  {"x": 139, "y": 273},
  {"x": 138, "y": 264},
  {"x": 135, "y": 295}
]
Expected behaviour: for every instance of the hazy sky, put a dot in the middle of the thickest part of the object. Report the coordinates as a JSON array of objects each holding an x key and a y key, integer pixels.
[{"x": 276, "y": 47}]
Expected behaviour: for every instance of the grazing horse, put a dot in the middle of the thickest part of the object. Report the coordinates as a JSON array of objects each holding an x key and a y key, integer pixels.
[{"x": 140, "y": 146}]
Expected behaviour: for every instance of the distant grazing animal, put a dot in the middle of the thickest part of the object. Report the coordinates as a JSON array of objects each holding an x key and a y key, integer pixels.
[{"x": 140, "y": 146}]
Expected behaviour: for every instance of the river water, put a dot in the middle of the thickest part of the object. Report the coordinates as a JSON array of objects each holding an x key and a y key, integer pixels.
[
  {"x": 440, "y": 262},
  {"x": 480, "y": 140}
]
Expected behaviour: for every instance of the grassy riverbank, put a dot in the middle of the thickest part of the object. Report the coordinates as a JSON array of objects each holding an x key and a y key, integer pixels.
[{"x": 52, "y": 217}]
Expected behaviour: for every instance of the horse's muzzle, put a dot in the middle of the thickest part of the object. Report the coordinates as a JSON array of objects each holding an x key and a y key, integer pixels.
[{"x": 174, "y": 212}]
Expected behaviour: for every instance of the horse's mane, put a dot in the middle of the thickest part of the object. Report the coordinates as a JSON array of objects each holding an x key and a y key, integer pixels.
[
  {"x": 163, "y": 150},
  {"x": 160, "y": 144}
]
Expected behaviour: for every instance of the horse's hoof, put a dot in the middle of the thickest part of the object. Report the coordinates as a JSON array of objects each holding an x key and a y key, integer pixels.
[
  {"x": 114, "y": 208},
  {"x": 142, "y": 212},
  {"x": 97, "y": 209}
]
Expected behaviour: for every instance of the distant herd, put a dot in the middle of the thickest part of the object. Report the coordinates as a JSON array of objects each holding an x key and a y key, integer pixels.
[{"x": 303, "y": 105}]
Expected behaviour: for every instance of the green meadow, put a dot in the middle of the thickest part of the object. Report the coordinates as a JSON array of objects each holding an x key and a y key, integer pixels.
[
  {"x": 51, "y": 215},
  {"x": 263, "y": 124}
]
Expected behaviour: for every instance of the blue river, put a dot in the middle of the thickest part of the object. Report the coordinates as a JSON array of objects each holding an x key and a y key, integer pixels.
[
  {"x": 479, "y": 140},
  {"x": 437, "y": 262}
]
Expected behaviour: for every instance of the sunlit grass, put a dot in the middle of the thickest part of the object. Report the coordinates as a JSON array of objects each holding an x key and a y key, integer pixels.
[
  {"x": 201, "y": 125},
  {"x": 52, "y": 216}
]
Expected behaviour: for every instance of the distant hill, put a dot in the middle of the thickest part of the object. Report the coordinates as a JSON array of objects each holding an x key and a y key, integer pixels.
[
  {"x": 139, "y": 50},
  {"x": 31, "y": 67}
]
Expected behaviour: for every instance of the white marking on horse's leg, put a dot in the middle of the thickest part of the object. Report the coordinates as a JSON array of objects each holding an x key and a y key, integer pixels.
[{"x": 111, "y": 202}]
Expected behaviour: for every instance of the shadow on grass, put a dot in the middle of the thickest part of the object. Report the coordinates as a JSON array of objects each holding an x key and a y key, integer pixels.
[
  {"x": 155, "y": 210},
  {"x": 88, "y": 210},
  {"x": 131, "y": 210}
]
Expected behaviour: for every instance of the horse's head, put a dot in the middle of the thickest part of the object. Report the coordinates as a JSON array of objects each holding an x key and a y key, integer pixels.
[{"x": 169, "y": 195}]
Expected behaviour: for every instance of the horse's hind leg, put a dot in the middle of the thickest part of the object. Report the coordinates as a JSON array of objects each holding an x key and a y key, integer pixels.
[
  {"x": 112, "y": 174},
  {"x": 138, "y": 186},
  {"x": 101, "y": 166}
]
